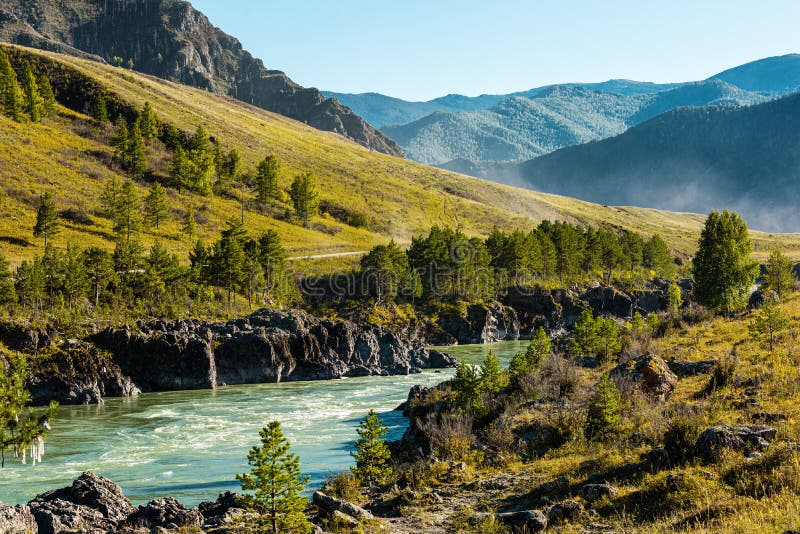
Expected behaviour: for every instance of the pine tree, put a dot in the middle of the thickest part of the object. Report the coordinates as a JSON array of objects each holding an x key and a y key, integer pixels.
[
  {"x": 585, "y": 339},
  {"x": 34, "y": 103},
  {"x": 155, "y": 205},
  {"x": 492, "y": 379},
  {"x": 8, "y": 294},
  {"x": 779, "y": 276},
  {"x": 47, "y": 224},
  {"x": 100, "y": 271},
  {"x": 119, "y": 139},
  {"x": 277, "y": 482},
  {"x": 232, "y": 265},
  {"x": 605, "y": 409},
  {"x": 22, "y": 430},
  {"x": 200, "y": 164},
  {"x": 189, "y": 226},
  {"x": 769, "y": 322},
  {"x": 723, "y": 268},
  {"x": 127, "y": 216},
  {"x": 48, "y": 97},
  {"x": 12, "y": 94},
  {"x": 149, "y": 123},
  {"x": 99, "y": 109},
  {"x": 305, "y": 197},
  {"x": 268, "y": 180},
  {"x": 30, "y": 284},
  {"x": 179, "y": 169},
  {"x": 75, "y": 283},
  {"x": 372, "y": 453},
  {"x": 136, "y": 151},
  {"x": 656, "y": 256},
  {"x": 538, "y": 349},
  {"x": 609, "y": 344}
]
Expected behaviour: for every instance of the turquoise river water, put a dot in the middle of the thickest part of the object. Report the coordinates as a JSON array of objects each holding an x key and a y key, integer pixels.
[{"x": 191, "y": 444}]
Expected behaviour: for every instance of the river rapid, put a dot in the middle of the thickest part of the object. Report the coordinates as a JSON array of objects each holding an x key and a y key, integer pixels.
[{"x": 190, "y": 444}]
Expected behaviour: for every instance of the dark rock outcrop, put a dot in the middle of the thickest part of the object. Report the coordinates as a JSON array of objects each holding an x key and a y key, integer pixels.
[
  {"x": 605, "y": 300},
  {"x": 77, "y": 375},
  {"x": 172, "y": 40},
  {"x": 741, "y": 438},
  {"x": 564, "y": 510},
  {"x": 17, "y": 519},
  {"x": 90, "y": 503},
  {"x": 480, "y": 323},
  {"x": 167, "y": 513},
  {"x": 650, "y": 373},
  {"x": 684, "y": 368},
  {"x": 267, "y": 346}
]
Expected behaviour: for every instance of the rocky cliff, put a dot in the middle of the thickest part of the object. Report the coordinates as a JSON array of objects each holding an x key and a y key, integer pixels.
[
  {"x": 172, "y": 40},
  {"x": 267, "y": 346}
]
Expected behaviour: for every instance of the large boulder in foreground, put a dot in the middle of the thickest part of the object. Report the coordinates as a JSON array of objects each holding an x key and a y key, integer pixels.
[
  {"x": 17, "y": 519},
  {"x": 740, "y": 438},
  {"x": 166, "y": 513},
  {"x": 652, "y": 374},
  {"x": 90, "y": 503},
  {"x": 267, "y": 346}
]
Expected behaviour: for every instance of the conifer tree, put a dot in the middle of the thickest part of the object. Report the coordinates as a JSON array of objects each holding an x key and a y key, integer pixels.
[
  {"x": 127, "y": 216},
  {"x": 12, "y": 94},
  {"x": 675, "y": 298},
  {"x": 47, "y": 224},
  {"x": 99, "y": 109},
  {"x": 99, "y": 270},
  {"x": 189, "y": 226},
  {"x": 136, "y": 151},
  {"x": 768, "y": 323},
  {"x": 605, "y": 409},
  {"x": 155, "y": 205},
  {"x": 492, "y": 379},
  {"x": 75, "y": 282},
  {"x": 372, "y": 453},
  {"x": 148, "y": 123},
  {"x": 119, "y": 139},
  {"x": 30, "y": 284},
  {"x": 179, "y": 169},
  {"x": 232, "y": 265},
  {"x": 34, "y": 103},
  {"x": 48, "y": 97},
  {"x": 8, "y": 294},
  {"x": 779, "y": 276},
  {"x": 656, "y": 256},
  {"x": 268, "y": 180},
  {"x": 277, "y": 482},
  {"x": 538, "y": 349},
  {"x": 305, "y": 197},
  {"x": 200, "y": 163},
  {"x": 22, "y": 430}
]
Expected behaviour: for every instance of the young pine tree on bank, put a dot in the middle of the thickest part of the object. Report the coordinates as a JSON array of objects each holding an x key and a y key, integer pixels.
[{"x": 372, "y": 453}]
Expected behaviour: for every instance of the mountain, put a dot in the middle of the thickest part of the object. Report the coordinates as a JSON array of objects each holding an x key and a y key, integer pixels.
[
  {"x": 692, "y": 159},
  {"x": 381, "y": 110},
  {"x": 172, "y": 40},
  {"x": 555, "y": 117},
  {"x": 774, "y": 75}
]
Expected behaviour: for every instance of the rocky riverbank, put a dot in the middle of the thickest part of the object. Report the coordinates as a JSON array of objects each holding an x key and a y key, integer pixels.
[{"x": 267, "y": 346}]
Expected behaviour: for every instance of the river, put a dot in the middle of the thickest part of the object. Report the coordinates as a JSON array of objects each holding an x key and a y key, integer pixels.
[{"x": 190, "y": 444}]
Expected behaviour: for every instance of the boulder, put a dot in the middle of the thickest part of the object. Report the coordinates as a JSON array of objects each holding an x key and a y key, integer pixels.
[
  {"x": 740, "y": 438},
  {"x": 15, "y": 519},
  {"x": 524, "y": 521},
  {"x": 564, "y": 510},
  {"x": 91, "y": 502},
  {"x": 594, "y": 492},
  {"x": 651, "y": 373},
  {"x": 165, "y": 513},
  {"x": 330, "y": 505}
]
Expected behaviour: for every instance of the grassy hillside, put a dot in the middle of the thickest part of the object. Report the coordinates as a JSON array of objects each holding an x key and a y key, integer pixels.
[{"x": 63, "y": 155}]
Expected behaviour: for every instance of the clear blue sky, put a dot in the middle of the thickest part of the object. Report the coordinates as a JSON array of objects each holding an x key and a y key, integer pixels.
[{"x": 418, "y": 49}]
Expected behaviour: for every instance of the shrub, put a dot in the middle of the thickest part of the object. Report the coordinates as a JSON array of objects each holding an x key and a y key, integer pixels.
[
  {"x": 344, "y": 486},
  {"x": 680, "y": 438},
  {"x": 450, "y": 435},
  {"x": 558, "y": 377},
  {"x": 722, "y": 376}
]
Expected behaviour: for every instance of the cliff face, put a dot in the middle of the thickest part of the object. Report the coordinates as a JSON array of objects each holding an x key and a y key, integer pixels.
[
  {"x": 172, "y": 40},
  {"x": 267, "y": 346}
]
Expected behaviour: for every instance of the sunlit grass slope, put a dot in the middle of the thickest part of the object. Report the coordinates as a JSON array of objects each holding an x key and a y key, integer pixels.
[{"x": 402, "y": 197}]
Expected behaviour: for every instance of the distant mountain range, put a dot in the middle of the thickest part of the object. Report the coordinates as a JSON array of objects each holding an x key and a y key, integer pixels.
[
  {"x": 513, "y": 127},
  {"x": 690, "y": 159},
  {"x": 172, "y": 40}
]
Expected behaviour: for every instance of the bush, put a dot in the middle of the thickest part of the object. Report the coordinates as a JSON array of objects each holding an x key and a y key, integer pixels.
[
  {"x": 344, "y": 486},
  {"x": 450, "y": 435},
  {"x": 558, "y": 378},
  {"x": 680, "y": 438},
  {"x": 722, "y": 376}
]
